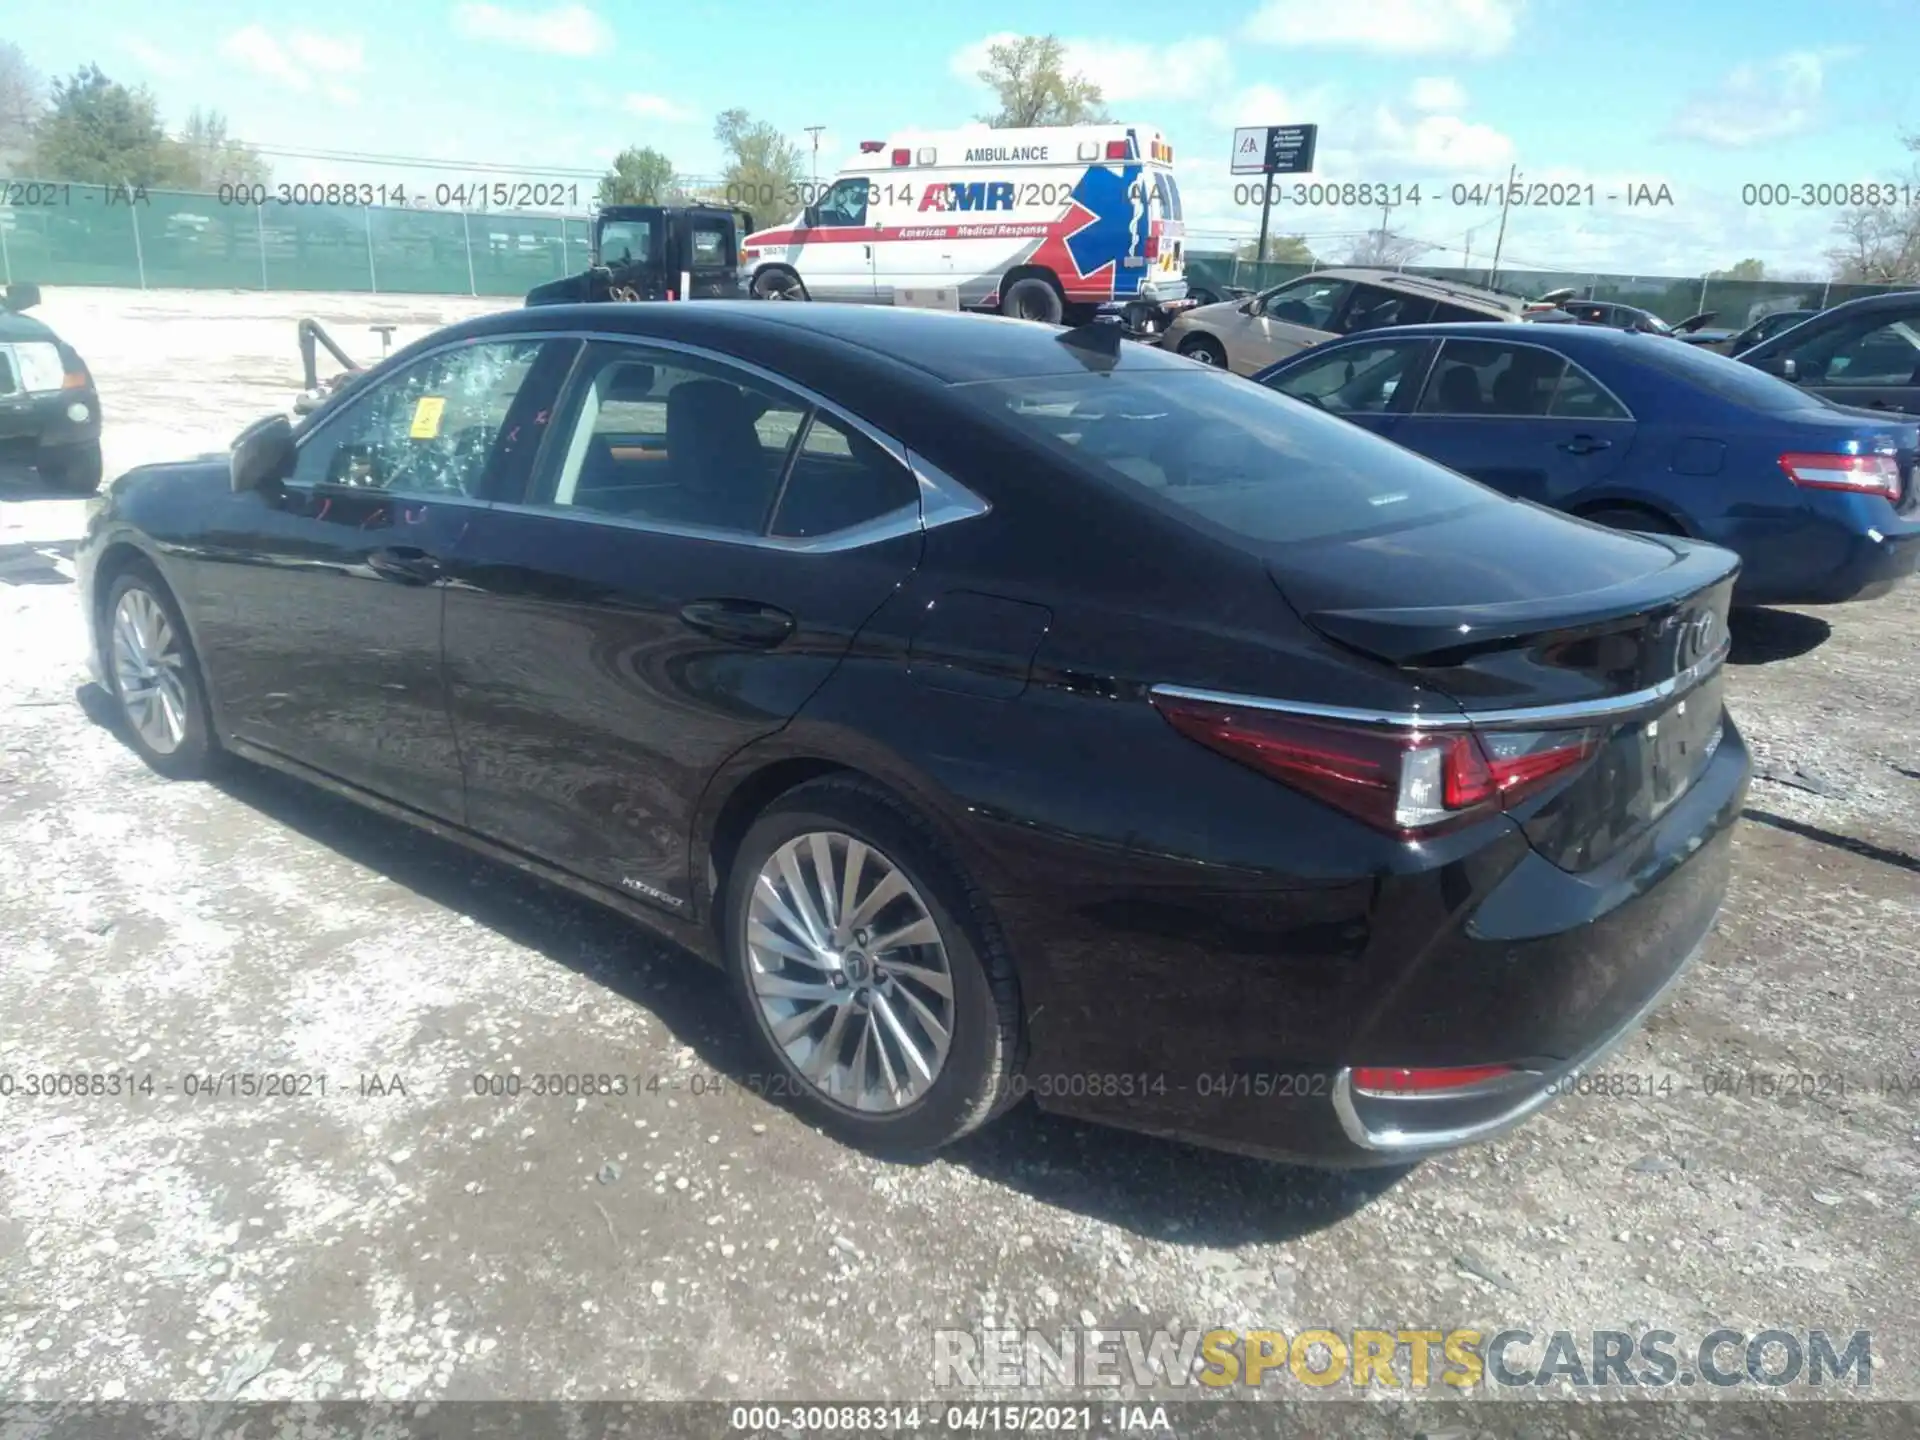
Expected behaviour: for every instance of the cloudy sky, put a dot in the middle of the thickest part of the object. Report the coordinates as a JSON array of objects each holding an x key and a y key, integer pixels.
[{"x": 1704, "y": 97}]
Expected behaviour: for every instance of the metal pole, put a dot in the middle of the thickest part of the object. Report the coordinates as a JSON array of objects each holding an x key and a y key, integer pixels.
[
  {"x": 260, "y": 225},
  {"x": 1500, "y": 241},
  {"x": 814, "y": 130},
  {"x": 1266, "y": 210},
  {"x": 373, "y": 280},
  {"x": 6, "y": 260},
  {"x": 1703, "y": 295},
  {"x": 1466, "y": 262},
  {"x": 139, "y": 255},
  {"x": 466, "y": 235},
  {"x": 1824, "y": 291}
]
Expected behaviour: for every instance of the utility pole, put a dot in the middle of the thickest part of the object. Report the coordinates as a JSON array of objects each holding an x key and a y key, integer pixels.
[
  {"x": 1380, "y": 248},
  {"x": 1506, "y": 196},
  {"x": 814, "y": 131}
]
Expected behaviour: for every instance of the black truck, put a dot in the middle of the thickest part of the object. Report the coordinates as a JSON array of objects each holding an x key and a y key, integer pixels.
[{"x": 657, "y": 252}]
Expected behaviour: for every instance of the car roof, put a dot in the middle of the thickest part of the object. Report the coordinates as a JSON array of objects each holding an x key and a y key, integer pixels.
[
  {"x": 943, "y": 345},
  {"x": 15, "y": 326},
  {"x": 1417, "y": 285},
  {"x": 1570, "y": 339}
]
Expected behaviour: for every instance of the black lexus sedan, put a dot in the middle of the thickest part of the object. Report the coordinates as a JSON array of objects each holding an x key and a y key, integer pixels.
[{"x": 1008, "y": 710}]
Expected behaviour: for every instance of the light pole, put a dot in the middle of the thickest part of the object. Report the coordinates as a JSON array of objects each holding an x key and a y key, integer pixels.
[
  {"x": 1500, "y": 240},
  {"x": 814, "y": 131}
]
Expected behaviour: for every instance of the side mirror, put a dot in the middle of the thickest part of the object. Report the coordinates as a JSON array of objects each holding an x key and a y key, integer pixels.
[
  {"x": 810, "y": 217},
  {"x": 23, "y": 296},
  {"x": 263, "y": 454},
  {"x": 1789, "y": 370},
  {"x": 1251, "y": 306}
]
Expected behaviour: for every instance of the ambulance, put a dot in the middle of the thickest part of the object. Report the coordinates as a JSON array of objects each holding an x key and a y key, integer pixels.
[{"x": 1045, "y": 224}]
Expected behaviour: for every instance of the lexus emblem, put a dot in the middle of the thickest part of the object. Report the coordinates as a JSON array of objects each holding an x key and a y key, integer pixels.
[{"x": 1696, "y": 639}]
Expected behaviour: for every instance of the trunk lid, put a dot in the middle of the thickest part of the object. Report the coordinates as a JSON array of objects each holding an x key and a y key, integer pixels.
[{"x": 1531, "y": 623}]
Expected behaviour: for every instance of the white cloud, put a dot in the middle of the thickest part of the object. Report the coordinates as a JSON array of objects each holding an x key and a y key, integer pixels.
[
  {"x": 1477, "y": 28},
  {"x": 656, "y": 107},
  {"x": 306, "y": 60},
  {"x": 1125, "y": 71},
  {"x": 1756, "y": 103},
  {"x": 1437, "y": 92},
  {"x": 558, "y": 30},
  {"x": 1436, "y": 142}
]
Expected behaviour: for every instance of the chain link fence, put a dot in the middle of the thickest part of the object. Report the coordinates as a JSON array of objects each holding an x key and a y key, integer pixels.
[
  {"x": 1735, "y": 303},
  {"x": 62, "y": 233},
  {"x": 58, "y": 233}
]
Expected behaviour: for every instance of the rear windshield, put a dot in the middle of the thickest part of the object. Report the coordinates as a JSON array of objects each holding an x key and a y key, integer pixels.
[
  {"x": 1729, "y": 379},
  {"x": 1244, "y": 459}
]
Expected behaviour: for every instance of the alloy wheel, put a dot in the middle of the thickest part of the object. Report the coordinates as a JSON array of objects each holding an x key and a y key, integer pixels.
[
  {"x": 149, "y": 671},
  {"x": 850, "y": 973}
]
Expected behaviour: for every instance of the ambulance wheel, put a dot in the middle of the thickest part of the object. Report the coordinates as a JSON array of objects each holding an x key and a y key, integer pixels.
[
  {"x": 778, "y": 285},
  {"x": 1033, "y": 299}
]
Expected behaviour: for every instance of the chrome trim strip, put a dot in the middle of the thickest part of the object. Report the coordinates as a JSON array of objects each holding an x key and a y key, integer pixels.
[
  {"x": 1399, "y": 719},
  {"x": 1410, "y": 1141},
  {"x": 1615, "y": 707},
  {"x": 943, "y": 500}
]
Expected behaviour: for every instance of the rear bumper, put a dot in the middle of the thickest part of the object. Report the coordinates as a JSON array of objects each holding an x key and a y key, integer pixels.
[
  {"x": 49, "y": 418},
  {"x": 1497, "y": 957},
  {"x": 1829, "y": 561}
]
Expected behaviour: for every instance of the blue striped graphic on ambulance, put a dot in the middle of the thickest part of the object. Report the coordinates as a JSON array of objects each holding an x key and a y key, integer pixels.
[{"x": 1105, "y": 226}]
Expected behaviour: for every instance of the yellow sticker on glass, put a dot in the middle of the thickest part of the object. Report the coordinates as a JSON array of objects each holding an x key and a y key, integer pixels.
[{"x": 426, "y": 416}]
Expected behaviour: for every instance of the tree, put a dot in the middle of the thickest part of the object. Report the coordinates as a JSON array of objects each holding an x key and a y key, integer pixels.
[
  {"x": 100, "y": 132},
  {"x": 640, "y": 176},
  {"x": 763, "y": 166},
  {"x": 205, "y": 158},
  {"x": 1880, "y": 245},
  {"x": 1384, "y": 250},
  {"x": 23, "y": 98},
  {"x": 1748, "y": 269},
  {"x": 1281, "y": 250},
  {"x": 1029, "y": 76}
]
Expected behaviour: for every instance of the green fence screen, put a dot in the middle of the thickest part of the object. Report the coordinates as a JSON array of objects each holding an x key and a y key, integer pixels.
[
  {"x": 1735, "y": 303},
  {"x": 56, "y": 233},
  {"x": 59, "y": 234}
]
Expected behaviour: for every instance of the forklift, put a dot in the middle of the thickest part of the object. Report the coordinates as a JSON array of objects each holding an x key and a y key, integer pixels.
[{"x": 657, "y": 252}]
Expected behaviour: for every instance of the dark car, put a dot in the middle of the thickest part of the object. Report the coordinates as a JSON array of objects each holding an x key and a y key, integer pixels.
[
  {"x": 656, "y": 252},
  {"x": 1777, "y": 322},
  {"x": 1008, "y": 710},
  {"x": 1863, "y": 353},
  {"x": 1630, "y": 432},
  {"x": 1616, "y": 316},
  {"x": 49, "y": 408}
]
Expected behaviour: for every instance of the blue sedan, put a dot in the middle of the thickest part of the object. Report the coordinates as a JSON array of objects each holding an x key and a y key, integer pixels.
[{"x": 1640, "y": 433}]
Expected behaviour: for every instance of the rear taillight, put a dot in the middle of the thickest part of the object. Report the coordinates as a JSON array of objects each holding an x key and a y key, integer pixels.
[
  {"x": 1384, "y": 1080},
  {"x": 1863, "y": 474},
  {"x": 1402, "y": 780}
]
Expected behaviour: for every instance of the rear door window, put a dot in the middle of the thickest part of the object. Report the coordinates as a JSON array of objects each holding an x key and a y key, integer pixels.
[
  {"x": 1239, "y": 460},
  {"x": 1375, "y": 309},
  {"x": 1492, "y": 378}
]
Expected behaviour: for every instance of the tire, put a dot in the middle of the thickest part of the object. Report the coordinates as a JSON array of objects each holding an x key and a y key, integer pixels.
[
  {"x": 174, "y": 733},
  {"x": 974, "y": 1079},
  {"x": 1205, "y": 349},
  {"x": 1626, "y": 517},
  {"x": 778, "y": 285},
  {"x": 1033, "y": 299},
  {"x": 78, "y": 468}
]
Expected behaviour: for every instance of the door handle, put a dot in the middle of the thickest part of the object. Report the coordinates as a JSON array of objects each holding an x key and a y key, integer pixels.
[
  {"x": 1584, "y": 445},
  {"x": 744, "y": 622},
  {"x": 405, "y": 565}
]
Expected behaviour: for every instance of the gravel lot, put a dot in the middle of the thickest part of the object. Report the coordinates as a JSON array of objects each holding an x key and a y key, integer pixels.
[{"x": 696, "y": 1241}]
